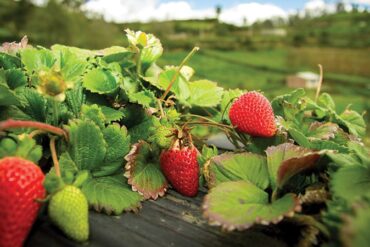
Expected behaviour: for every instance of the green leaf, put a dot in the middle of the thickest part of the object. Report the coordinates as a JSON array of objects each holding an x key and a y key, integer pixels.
[
  {"x": 284, "y": 157},
  {"x": 240, "y": 204},
  {"x": 344, "y": 159},
  {"x": 75, "y": 98},
  {"x": 145, "y": 98},
  {"x": 280, "y": 102},
  {"x": 71, "y": 66},
  {"x": 143, "y": 171},
  {"x": 180, "y": 86},
  {"x": 15, "y": 78},
  {"x": 118, "y": 145},
  {"x": 111, "y": 195},
  {"x": 353, "y": 121},
  {"x": 361, "y": 151},
  {"x": 7, "y": 96},
  {"x": 9, "y": 62},
  {"x": 34, "y": 104},
  {"x": 326, "y": 101},
  {"x": 111, "y": 114},
  {"x": 322, "y": 131},
  {"x": 93, "y": 113},
  {"x": 87, "y": 147},
  {"x": 238, "y": 166},
  {"x": 37, "y": 60},
  {"x": 351, "y": 182},
  {"x": 100, "y": 81},
  {"x": 204, "y": 93},
  {"x": 142, "y": 130},
  {"x": 355, "y": 230}
]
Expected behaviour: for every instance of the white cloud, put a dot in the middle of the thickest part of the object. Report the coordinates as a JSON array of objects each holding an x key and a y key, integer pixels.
[
  {"x": 147, "y": 10},
  {"x": 252, "y": 12}
]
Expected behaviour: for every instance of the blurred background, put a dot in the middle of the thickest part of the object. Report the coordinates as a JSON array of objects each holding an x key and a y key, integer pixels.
[{"x": 269, "y": 45}]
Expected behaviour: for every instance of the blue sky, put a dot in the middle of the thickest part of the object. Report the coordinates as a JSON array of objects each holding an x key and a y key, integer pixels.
[
  {"x": 201, "y": 4},
  {"x": 233, "y": 11}
]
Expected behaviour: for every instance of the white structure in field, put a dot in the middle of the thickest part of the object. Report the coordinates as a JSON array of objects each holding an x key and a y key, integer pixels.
[{"x": 303, "y": 79}]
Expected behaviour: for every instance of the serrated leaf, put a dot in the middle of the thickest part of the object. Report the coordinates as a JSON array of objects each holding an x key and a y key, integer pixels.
[
  {"x": 35, "y": 105},
  {"x": 204, "y": 93},
  {"x": 93, "y": 113},
  {"x": 322, "y": 131},
  {"x": 100, "y": 81},
  {"x": 37, "y": 60},
  {"x": 326, "y": 101},
  {"x": 111, "y": 195},
  {"x": 143, "y": 171},
  {"x": 9, "y": 62},
  {"x": 238, "y": 166},
  {"x": 355, "y": 230},
  {"x": 142, "y": 130},
  {"x": 351, "y": 182},
  {"x": 86, "y": 146},
  {"x": 71, "y": 66},
  {"x": 7, "y": 96},
  {"x": 118, "y": 145},
  {"x": 15, "y": 78},
  {"x": 111, "y": 114},
  {"x": 343, "y": 159},
  {"x": 145, "y": 98},
  {"x": 277, "y": 155},
  {"x": 240, "y": 204},
  {"x": 75, "y": 98},
  {"x": 280, "y": 102},
  {"x": 353, "y": 121}
]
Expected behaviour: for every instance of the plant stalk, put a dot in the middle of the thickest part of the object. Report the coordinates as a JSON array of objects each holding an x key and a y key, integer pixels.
[
  {"x": 14, "y": 124},
  {"x": 195, "y": 49},
  {"x": 54, "y": 156}
]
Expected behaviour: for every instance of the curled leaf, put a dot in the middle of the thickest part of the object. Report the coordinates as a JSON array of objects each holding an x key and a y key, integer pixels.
[{"x": 143, "y": 171}]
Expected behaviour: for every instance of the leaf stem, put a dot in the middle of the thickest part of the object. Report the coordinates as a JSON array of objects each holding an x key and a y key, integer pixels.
[
  {"x": 54, "y": 155},
  {"x": 36, "y": 132},
  {"x": 138, "y": 62},
  {"x": 195, "y": 49},
  {"x": 320, "y": 82},
  {"x": 13, "y": 124}
]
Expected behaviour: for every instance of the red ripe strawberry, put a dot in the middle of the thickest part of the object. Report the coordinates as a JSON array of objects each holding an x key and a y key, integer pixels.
[
  {"x": 252, "y": 113},
  {"x": 180, "y": 166},
  {"x": 20, "y": 184}
]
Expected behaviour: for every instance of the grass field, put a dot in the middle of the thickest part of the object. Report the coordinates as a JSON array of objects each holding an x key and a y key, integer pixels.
[{"x": 266, "y": 70}]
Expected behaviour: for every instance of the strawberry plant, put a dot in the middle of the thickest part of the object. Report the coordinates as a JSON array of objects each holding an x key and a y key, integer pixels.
[{"x": 119, "y": 129}]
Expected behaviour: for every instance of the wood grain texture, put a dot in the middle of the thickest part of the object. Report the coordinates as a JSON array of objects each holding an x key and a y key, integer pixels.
[{"x": 170, "y": 221}]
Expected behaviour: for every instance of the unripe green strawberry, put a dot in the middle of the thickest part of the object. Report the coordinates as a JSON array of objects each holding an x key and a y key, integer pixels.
[
  {"x": 162, "y": 136},
  {"x": 68, "y": 209}
]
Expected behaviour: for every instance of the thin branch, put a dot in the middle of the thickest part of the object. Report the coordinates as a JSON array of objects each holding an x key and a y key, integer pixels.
[
  {"x": 320, "y": 83},
  {"x": 195, "y": 49},
  {"x": 54, "y": 156},
  {"x": 13, "y": 124}
]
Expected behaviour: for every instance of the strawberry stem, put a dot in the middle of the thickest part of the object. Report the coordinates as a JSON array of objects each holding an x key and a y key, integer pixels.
[
  {"x": 54, "y": 155},
  {"x": 13, "y": 124},
  {"x": 195, "y": 49},
  {"x": 320, "y": 82}
]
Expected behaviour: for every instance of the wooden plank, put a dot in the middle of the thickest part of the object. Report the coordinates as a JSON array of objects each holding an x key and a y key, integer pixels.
[{"x": 170, "y": 221}]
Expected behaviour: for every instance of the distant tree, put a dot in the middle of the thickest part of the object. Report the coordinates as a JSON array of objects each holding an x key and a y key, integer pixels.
[
  {"x": 218, "y": 10},
  {"x": 354, "y": 7},
  {"x": 245, "y": 21},
  {"x": 340, "y": 7}
]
